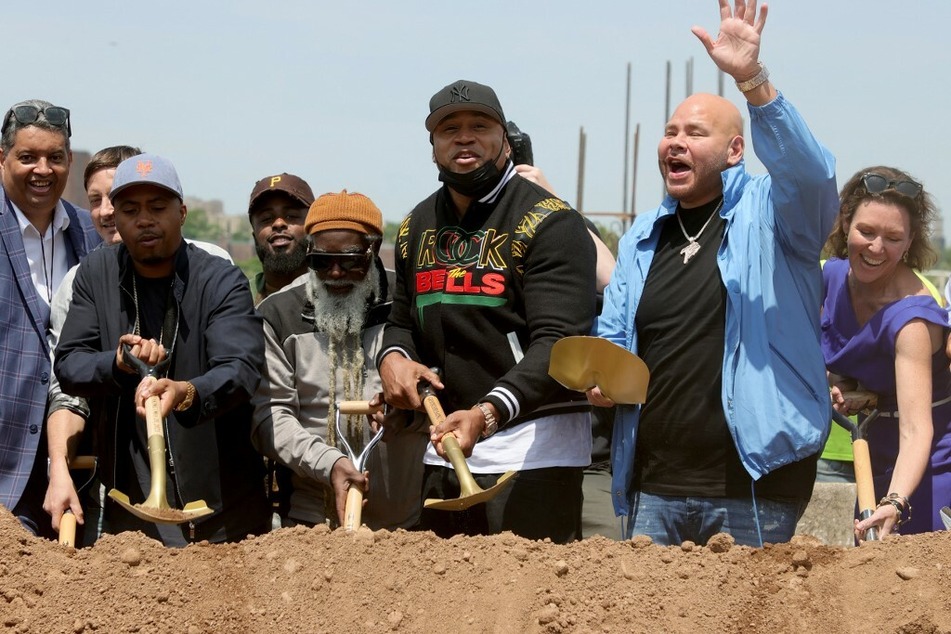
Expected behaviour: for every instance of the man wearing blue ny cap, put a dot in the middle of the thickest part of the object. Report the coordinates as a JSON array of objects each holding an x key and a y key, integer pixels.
[{"x": 166, "y": 298}]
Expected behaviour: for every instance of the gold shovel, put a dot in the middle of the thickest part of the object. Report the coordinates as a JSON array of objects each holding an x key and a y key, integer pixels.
[
  {"x": 470, "y": 493},
  {"x": 156, "y": 508},
  {"x": 581, "y": 363}
]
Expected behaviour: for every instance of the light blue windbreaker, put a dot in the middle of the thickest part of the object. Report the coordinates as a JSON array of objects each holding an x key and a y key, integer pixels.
[{"x": 775, "y": 393}]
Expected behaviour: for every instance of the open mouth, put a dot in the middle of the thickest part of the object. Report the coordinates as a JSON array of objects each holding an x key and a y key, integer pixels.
[
  {"x": 677, "y": 167},
  {"x": 872, "y": 262}
]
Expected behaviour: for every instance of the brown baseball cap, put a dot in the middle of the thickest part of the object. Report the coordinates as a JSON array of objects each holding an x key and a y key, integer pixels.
[{"x": 294, "y": 186}]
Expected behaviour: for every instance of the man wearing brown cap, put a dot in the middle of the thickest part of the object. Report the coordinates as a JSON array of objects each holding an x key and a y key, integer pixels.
[
  {"x": 322, "y": 334},
  {"x": 491, "y": 270},
  {"x": 277, "y": 210}
]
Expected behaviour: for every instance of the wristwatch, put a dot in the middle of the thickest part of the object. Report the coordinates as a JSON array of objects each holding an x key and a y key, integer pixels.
[
  {"x": 755, "y": 80},
  {"x": 491, "y": 423},
  {"x": 189, "y": 397}
]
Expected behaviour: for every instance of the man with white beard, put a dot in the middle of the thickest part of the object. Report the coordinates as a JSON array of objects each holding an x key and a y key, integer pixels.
[{"x": 322, "y": 334}]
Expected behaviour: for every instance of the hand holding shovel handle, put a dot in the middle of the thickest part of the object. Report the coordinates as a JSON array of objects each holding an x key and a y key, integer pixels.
[
  {"x": 156, "y": 508},
  {"x": 353, "y": 512},
  {"x": 862, "y": 462},
  {"x": 67, "y": 523},
  {"x": 470, "y": 493}
]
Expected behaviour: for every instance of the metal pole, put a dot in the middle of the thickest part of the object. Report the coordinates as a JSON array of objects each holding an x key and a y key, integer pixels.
[
  {"x": 689, "y": 77},
  {"x": 667, "y": 99},
  {"x": 637, "y": 142},
  {"x": 581, "y": 150},
  {"x": 627, "y": 133}
]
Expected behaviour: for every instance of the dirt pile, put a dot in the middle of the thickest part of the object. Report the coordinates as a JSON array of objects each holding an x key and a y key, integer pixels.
[{"x": 315, "y": 580}]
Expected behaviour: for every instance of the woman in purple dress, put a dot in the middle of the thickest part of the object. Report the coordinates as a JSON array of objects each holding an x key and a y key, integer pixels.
[{"x": 882, "y": 331}]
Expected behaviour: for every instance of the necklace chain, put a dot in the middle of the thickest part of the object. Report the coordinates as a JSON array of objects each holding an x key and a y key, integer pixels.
[{"x": 692, "y": 245}]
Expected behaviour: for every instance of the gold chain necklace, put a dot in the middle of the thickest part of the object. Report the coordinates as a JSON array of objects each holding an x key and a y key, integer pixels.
[{"x": 692, "y": 245}]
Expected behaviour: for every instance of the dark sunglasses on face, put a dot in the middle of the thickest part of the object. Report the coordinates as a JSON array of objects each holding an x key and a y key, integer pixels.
[
  {"x": 322, "y": 262},
  {"x": 876, "y": 184},
  {"x": 26, "y": 115}
]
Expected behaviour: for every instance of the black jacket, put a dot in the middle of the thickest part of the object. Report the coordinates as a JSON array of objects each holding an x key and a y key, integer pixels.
[
  {"x": 219, "y": 348},
  {"x": 512, "y": 277}
]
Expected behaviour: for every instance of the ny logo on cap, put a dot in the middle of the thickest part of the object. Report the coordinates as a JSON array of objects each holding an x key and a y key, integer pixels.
[
  {"x": 459, "y": 93},
  {"x": 143, "y": 168}
]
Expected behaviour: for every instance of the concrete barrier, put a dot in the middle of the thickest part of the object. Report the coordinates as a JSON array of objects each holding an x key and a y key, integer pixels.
[{"x": 830, "y": 514}]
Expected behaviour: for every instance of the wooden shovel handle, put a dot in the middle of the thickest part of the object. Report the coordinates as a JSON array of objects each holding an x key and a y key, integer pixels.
[
  {"x": 67, "y": 529},
  {"x": 353, "y": 513},
  {"x": 864, "y": 485},
  {"x": 358, "y": 407},
  {"x": 449, "y": 441},
  {"x": 83, "y": 462}
]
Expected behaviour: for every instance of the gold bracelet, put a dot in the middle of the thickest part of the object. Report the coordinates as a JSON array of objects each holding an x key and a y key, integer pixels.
[{"x": 189, "y": 397}]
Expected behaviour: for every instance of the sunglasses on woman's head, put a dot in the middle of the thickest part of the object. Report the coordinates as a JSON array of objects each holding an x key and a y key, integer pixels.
[{"x": 876, "y": 184}]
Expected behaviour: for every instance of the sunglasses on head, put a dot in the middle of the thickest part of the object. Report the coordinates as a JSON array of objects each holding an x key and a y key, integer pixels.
[
  {"x": 26, "y": 115},
  {"x": 876, "y": 184},
  {"x": 322, "y": 262}
]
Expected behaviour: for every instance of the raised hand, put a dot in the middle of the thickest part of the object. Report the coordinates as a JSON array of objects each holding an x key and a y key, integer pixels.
[{"x": 736, "y": 49}]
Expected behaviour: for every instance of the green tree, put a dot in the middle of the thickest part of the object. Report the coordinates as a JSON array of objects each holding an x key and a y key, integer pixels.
[{"x": 198, "y": 227}]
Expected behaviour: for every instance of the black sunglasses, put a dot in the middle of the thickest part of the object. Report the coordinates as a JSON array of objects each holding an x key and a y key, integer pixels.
[
  {"x": 322, "y": 262},
  {"x": 26, "y": 115},
  {"x": 876, "y": 184}
]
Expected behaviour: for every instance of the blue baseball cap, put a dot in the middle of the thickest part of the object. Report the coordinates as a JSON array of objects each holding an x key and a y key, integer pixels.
[{"x": 146, "y": 169}]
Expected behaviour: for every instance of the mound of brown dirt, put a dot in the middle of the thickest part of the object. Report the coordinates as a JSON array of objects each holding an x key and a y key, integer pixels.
[{"x": 315, "y": 580}]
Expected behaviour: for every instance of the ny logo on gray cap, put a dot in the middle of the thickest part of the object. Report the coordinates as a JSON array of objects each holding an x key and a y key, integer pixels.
[{"x": 459, "y": 93}]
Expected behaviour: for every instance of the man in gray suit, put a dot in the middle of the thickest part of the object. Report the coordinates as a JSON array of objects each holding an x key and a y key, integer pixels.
[{"x": 41, "y": 237}]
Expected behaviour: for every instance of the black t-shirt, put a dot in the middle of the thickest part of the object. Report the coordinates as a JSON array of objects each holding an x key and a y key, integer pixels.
[{"x": 684, "y": 446}]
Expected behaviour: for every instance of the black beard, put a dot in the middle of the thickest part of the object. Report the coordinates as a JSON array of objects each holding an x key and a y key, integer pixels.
[{"x": 285, "y": 262}]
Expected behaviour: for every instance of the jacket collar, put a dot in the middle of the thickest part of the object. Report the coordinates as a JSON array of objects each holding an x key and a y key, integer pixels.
[{"x": 180, "y": 272}]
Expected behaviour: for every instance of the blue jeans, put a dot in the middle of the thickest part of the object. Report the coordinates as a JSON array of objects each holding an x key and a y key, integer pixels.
[{"x": 672, "y": 520}]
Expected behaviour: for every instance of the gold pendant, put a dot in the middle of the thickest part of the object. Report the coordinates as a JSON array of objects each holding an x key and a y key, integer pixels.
[{"x": 690, "y": 250}]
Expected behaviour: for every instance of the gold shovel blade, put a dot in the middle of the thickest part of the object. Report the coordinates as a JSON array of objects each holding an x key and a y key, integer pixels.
[
  {"x": 463, "y": 502},
  {"x": 157, "y": 515},
  {"x": 581, "y": 363}
]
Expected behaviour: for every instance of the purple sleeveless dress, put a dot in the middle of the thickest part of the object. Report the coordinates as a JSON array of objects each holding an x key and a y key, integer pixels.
[{"x": 867, "y": 354}]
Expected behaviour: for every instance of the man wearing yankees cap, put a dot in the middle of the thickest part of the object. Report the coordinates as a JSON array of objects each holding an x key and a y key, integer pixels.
[{"x": 491, "y": 270}]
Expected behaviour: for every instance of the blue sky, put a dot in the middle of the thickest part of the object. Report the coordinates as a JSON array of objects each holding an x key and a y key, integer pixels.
[{"x": 337, "y": 92}]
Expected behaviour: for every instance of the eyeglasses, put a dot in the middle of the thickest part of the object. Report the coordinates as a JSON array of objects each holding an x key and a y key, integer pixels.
[
  {"x": 323, "y": 262},
  {"x": 876, "y": 184},
  {"x": 26, "y": 115}
]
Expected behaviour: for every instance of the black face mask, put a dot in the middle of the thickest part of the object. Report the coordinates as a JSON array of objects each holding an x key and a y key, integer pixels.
[{"x": 474, "y": 184}]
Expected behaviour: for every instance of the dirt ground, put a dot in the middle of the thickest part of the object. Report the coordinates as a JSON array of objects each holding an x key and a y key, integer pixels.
[{"x": 315, "y": 580}]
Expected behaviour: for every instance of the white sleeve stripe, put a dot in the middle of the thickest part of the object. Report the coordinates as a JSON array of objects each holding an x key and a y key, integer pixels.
[{"x": 508, "y": 399}]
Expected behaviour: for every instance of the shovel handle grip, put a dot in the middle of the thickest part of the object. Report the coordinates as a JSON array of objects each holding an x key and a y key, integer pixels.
[
  {"x": 83, "y": 462},
  {"x": 864, "y": 486},
  {"x": 153, "y": 416},
  {"x": 434, "y": 409},
  {"x": 449, "y": 441},
  {"x": 353, "y": 513},
  {"x": 67, "y": 529},
  {"x": 358, "y": 407}
]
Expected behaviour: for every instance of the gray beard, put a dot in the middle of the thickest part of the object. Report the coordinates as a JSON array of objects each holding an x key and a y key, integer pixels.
[{"x": 341, "y": 315}]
